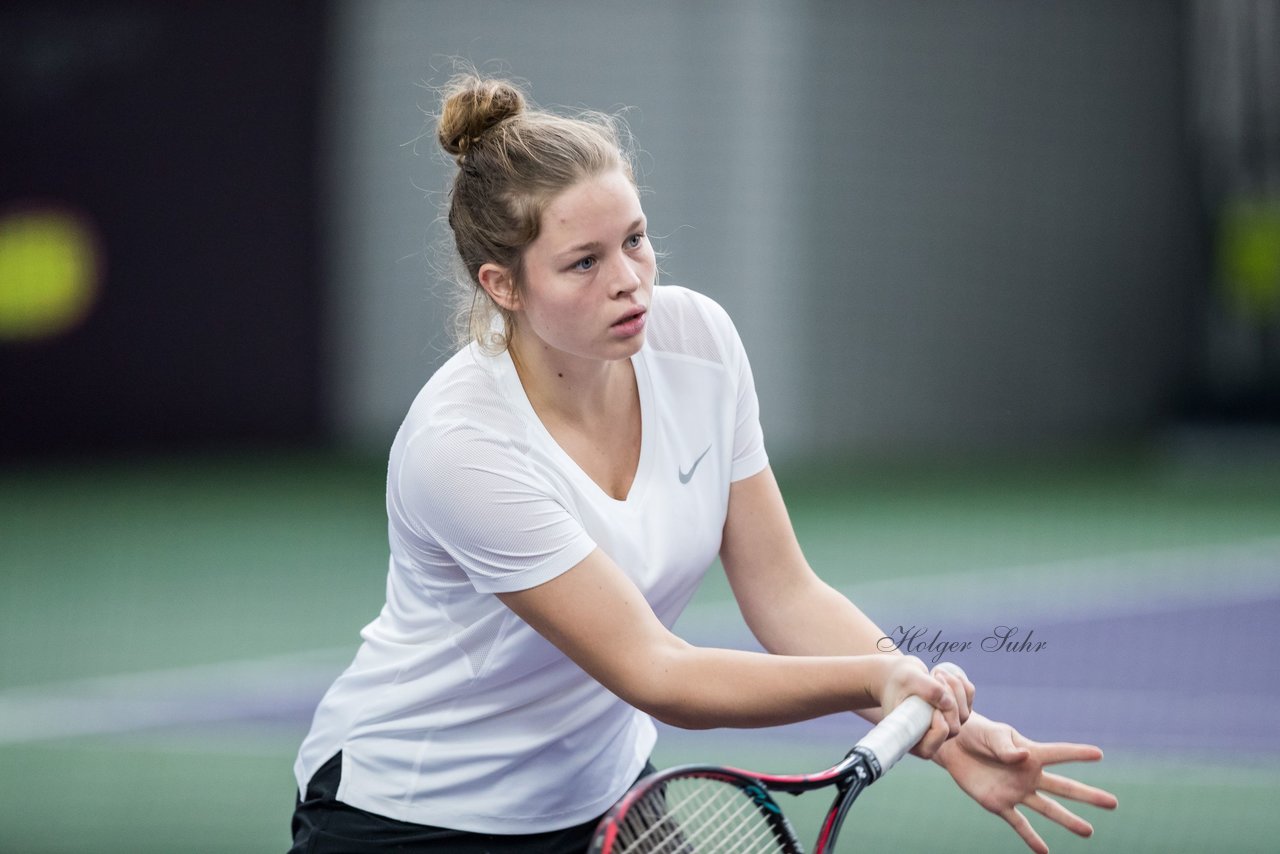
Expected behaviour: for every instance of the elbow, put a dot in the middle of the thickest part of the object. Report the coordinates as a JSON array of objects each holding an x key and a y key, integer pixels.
[
  {"x": 664, "y": 693},
  {"x": 680, "y": 715}
]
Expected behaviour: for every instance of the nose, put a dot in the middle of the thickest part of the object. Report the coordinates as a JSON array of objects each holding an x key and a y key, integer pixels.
[{"x": 626, "y": 277}]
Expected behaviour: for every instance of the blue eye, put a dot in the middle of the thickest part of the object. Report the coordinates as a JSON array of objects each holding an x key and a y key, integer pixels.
[
  {"x": 585, "y": 264},
  {"x": 634, "y": 241}
]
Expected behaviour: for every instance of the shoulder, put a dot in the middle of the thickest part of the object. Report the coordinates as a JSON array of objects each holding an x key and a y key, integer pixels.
[
  {"x": 690, "y": 324},
  {"x": 461, "y": 417},
  {"x": 459, "y": 454},
  {"x": 468, "y": 389},
  {"x": 678, "y": 303}
]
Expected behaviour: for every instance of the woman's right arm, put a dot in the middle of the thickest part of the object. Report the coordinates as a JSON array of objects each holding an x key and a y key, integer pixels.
[{"x": 597, "y": 617}]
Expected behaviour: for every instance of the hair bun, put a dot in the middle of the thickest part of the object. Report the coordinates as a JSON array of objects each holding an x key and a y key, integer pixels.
[{"x": 472, "y": 105}]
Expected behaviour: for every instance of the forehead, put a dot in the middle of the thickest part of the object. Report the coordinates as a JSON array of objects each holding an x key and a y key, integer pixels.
[{"x": 594, "y": 206}]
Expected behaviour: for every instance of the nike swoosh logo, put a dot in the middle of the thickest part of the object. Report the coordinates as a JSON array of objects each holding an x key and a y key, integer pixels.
[{"x": 684, "y": 477}]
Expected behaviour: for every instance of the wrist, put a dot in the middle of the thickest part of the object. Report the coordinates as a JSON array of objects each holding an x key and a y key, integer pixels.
[
  {"x": 946, "y": 753},
  {"x": 953, "y": 747},
  {"x": 879, "y": 672}
]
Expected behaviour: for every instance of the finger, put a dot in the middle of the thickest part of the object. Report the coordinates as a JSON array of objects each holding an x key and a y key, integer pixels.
[
  {"x": 1051, "y": 753},
  {"x": 1077, "y": 791},
  {"x": 937, "y": 734},
  {"x": 1054, "y": 811},
  {"x": 934, "y": 691},
  {"x": 1024, "y": 829},
  {"x": 955, "y": 670},
  {"x": 959, "y": 691},
  {"x": 950, "y": 711},
  {"x": 1004, "y": 746}
]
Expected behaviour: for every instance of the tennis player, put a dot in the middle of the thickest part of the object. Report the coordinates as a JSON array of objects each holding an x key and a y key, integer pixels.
[{"x": 554, "y": 497}]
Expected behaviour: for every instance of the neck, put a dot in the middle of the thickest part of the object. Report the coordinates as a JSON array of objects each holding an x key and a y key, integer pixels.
[{"x": 568, "y": 388}]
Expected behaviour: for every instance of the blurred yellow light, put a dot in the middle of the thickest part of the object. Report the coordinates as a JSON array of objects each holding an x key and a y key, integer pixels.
[
  {"x": 48, "y": 273},
  {"x": 1249, "y": 246}
]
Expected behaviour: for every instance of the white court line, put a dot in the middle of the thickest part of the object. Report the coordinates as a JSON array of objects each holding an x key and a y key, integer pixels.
[
  {"x": 183, "y": 695},
  {"x": 1119, "y": 585},
  {"x": 1165, "y": 580}
]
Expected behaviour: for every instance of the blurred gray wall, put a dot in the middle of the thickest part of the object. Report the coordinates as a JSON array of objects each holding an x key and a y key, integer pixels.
[{"x": 939, "y": 226}]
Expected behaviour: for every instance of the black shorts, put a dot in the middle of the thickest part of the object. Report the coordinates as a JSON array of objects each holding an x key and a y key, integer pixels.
[{"x": 324, "y": 825}]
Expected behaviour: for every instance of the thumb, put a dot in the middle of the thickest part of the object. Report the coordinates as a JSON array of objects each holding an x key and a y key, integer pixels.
[{"x": 1003, "y": 747}]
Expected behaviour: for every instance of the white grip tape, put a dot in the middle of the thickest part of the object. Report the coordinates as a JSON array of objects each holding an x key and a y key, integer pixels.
[{"x": 902, "y": 729}]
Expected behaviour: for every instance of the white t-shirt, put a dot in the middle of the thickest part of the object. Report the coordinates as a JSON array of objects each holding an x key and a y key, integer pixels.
[{"x": 455, "y": 712}]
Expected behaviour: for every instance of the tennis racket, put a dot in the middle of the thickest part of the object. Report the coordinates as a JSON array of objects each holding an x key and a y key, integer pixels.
[{"x": 703, "y": 809}]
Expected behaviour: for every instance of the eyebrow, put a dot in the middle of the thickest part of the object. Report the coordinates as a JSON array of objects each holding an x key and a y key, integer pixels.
[{"x": 594, "y": 245}]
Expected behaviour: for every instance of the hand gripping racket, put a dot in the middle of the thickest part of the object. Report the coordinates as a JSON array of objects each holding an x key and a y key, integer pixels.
[{"x": 703, "y": 809}]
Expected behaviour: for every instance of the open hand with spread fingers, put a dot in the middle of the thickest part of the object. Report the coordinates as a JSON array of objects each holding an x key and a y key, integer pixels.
[{"x": 1001, "y": 769}]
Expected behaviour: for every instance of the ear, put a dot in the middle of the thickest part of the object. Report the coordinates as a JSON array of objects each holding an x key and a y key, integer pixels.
[{"x": 500, "y": 285}]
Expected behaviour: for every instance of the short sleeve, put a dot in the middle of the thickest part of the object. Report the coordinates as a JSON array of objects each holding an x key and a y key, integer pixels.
[
  {"x": 474, "y": 494},
  {"x": 749, "y": 456}
]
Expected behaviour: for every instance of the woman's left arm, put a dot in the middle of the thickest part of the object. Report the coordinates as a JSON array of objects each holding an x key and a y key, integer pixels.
[
  {"x": 791, "y": 611},
  {"x": 788, "y": 608}
]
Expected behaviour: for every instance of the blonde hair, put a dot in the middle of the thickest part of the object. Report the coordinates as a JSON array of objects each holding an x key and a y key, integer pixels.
[{"x": 512, "y": 159}]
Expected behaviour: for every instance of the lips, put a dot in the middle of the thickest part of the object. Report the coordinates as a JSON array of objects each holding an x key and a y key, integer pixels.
[
  {"x": 630, "y": 316},
  {"x": 631, "y": 323}
]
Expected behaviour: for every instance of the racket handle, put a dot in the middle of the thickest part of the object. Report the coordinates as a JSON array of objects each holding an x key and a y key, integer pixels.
[{"x": 900, "y": 730}]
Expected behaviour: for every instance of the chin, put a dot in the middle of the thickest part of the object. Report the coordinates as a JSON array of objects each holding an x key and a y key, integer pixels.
[{"x": 630, "y": 346}]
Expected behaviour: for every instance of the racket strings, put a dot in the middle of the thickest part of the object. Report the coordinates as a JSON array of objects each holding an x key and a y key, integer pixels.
[
  {"x": 728, "y": 807},
  {"x": 696, "y": 816}
]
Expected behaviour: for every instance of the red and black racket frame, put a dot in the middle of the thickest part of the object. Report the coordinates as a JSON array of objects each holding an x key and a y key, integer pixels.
[{"x": 859, "y": 769}]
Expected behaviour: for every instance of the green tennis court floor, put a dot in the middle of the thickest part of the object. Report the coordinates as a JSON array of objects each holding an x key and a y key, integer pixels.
[
  {"x": 113, "y": 569},
  {"x": 226, "y": 794}
]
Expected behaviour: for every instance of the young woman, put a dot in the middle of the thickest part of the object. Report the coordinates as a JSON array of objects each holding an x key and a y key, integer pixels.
[{"x": 555, "y": 494}]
